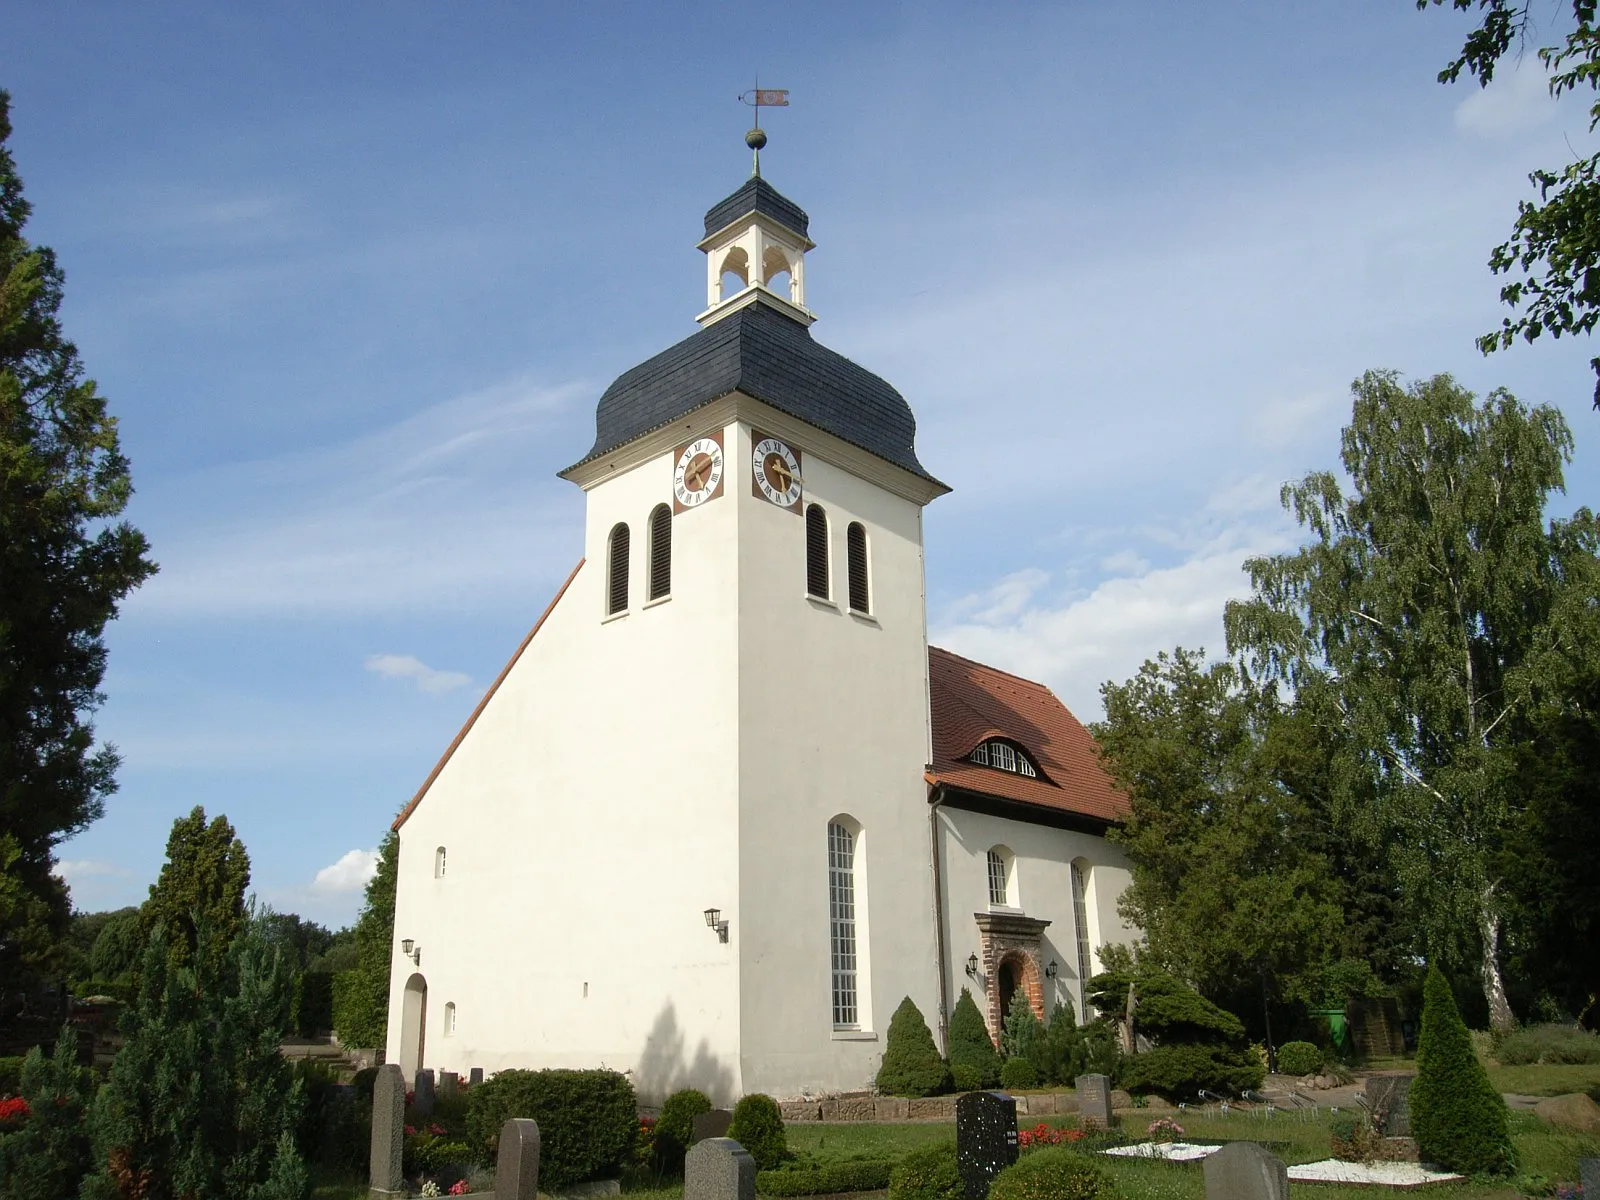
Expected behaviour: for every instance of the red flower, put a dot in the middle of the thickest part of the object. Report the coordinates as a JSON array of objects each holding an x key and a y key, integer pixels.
[
  {"x": 12, "y": 1110},
  {"x": 459, "y": 1188},
  {"x": 437, "y": 1129},
  {"x": 411, "y": 1131}
]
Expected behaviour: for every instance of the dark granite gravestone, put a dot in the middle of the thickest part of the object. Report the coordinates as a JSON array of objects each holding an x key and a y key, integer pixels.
[
  {"x": 986, "y": 1139},
  {"x": 713, "y": 1124},
  {"x": 1094, "y": 1101},
  {"x": 1589, "y": 1175},
  {"x": 718, "y": 1168},
  {"x": 1244, "y": 1171},
  {"x": 422, "y": 1093},
  {"x": 388, "y": 1133},
  {"x": 1389, "y": 1102},
  {"x": 516, "y": 1165},
  {"x": 475, "y": 1075},
  {"x": 449, "y": 1085}
]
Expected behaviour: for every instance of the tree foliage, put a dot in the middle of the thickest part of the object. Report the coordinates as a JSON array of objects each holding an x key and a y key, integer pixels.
[
  {"x": 1431, "y": 607},
  {"x": 1457, "y": 1116},
  {"x": 1554, "y": 248},
  {"x": 361, "y": 995},
  {"x": 49, "y": 1154},
  {"x": 199, "y": 897},
  {"x": 66, "y": 562}
]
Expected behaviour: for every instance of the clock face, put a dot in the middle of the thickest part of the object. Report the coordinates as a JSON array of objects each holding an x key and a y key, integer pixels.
[
  {"x": 775, "y": 472},
  {"x": 697, "y": 475}
]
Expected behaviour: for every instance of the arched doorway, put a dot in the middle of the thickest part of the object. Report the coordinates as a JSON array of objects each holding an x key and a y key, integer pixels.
[
  {"x": 1010, "y": 976},
  {"x": 413, "y": 1023}
]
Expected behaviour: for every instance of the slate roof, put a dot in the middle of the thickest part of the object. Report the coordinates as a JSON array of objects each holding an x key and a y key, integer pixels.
[
  {"x": 757, "y": 195},
  {"x": 971, "y": 703},
  {"x": 772, "y": 357}
]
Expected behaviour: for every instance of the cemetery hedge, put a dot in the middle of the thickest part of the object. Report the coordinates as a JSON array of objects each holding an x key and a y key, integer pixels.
[
  {"x": 1299, "y": 1058},
  {"x": 758, "y": 1126},
  {"x": 1018, "y": 1073},
  {"x": 929, "y": 1173},
  {"x": 587, "y": 1120},
  {"x": 1055, "y": 1173},
  {"x": 821, "y": 1179},
  {"x": 675, "y": 1128}
]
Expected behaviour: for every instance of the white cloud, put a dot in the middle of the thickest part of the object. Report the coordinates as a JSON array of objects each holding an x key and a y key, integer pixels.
[
  {"x": 75, "y": 870},
  {"x": 349, "y": 874},
  {"x": 1518, "y": 100},
  {"x": 427, "y": 679}
]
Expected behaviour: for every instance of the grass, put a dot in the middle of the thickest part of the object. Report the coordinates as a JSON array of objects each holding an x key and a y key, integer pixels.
[{"x": 1544, "y": 1079}]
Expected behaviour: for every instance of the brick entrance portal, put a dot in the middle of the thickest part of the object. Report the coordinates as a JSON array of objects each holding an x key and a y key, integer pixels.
[{"x": 1012, "y": 966}]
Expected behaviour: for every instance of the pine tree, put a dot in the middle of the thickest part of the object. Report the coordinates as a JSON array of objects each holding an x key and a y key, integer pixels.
[
  {"x": 49, "y": 1155},
  {"x": 911, "y": 1064},
  {"x": 970, "y": 1045},
  {"x": 201, "y": 886},
  {"x": 1457, "y": 1117}
]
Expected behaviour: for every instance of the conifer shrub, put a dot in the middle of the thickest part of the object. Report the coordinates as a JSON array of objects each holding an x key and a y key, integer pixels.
[
  {"x": 1054, "y": 1173},
  {"x": 675, "y": 1129},
  {"x": 1018, "y": 1073},
  {"x": 758, "y": 1126},
  {"x": 587, "y": 1120},
  {"x": 911, "y": 1064},
  {"x": 1457, "y": 1117},
  {"x": 1023, "y": 1036},
  {"x": 1181, "y": 1070},
  {"x": 47, "y": 1156},
  {"x": 970, "y": 1044},
  {"x": 1299, "y": 1058},
  {"x": 10, "y": 1074},
  {"x": 929, "y": 1173},
  {"x": 965, "y": 1078},
  {"x": 1062, "y": 1050}
]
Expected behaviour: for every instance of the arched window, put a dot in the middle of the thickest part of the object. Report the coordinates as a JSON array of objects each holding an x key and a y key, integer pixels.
[
  {"x": 842, "y": 924},
  {"x": 816, "y": 552},
  {"x": 450, "y": 1018},
  {"x": 1002, "y": 878},
  {"x": 1005, "y": 757},
  {"x": 1080, "y": 919},
  {"x": 617, "y": 572},
  {"x": 855, "y": 546},
  {"x": 438, "y": 863},
  {"x": 660, "y": 552}
]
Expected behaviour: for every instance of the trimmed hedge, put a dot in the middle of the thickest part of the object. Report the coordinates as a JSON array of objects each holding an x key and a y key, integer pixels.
[
  {"x": 757, "y": 1125},
  {"x": 820, "y": 1179},
  {"x": 587, "y": 1120},
  {"x": 911, "y": 1063},
  {"x": 928, "y": 1174},
  {"x": 1179, "y": 1071},
  {"x": 1457, "y": 1117},
  {"x": 675, "y": 1128},
  {"x": 1018, "y": 1073},
  {"x": 1054, "y": 1173},
  {"x": 1299, "y": 1058}
]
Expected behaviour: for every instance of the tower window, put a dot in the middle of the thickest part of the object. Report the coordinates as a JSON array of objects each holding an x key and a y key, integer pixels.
[
  {"x": 1005, "y": 757},
  {"x": 660, "y": 552},
  {"x": 617, "y": 572},
  {"x": 438, "y": 863},
  {"x": 816, "y": 552},
  {"x": 1080, "y": 920},
  {"x": 855, "y": 543},
  {"x": 842, "y": 924},
  {"x": 1000, "y": 865}
]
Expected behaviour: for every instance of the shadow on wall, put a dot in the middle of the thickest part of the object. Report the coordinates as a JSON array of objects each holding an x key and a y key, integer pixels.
[{"x": 665, "y": 1066}]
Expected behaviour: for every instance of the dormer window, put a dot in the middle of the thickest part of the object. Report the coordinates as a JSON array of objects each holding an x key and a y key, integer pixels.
[{"x": 1005, "y": 757}]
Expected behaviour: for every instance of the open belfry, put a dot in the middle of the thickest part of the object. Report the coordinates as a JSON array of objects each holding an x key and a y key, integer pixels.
[{"x": 725, "y": 807}]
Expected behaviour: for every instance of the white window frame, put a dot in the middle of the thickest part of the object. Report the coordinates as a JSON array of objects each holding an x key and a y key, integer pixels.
[
  {"x": 439, "y": 862},
  {"x": 843, "y": 956},
  {"x": 1080, "y": 920}
]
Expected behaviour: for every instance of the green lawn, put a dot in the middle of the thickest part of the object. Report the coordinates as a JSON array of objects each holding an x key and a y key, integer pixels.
[{"x": 1545, "y": 1079}]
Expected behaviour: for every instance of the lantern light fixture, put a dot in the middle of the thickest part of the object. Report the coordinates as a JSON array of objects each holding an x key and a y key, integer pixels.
[{"x": 972, "y": 965}]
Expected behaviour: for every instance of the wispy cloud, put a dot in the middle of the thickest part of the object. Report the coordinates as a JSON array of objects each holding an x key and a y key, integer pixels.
[
  {"x": 76, "y": 870},
  {"x": 427, "y": 679},
  {"x": 349, "y": 874},
  {"x": 1516, "y": 101}
]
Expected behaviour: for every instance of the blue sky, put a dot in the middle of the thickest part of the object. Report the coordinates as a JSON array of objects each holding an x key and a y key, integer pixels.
[{"x": 353, "y": 277}]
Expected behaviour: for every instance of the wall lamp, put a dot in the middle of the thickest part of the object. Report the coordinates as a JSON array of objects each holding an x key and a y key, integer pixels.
[
  {"x": 972, "y": 965},
  {"x": 714, "y": 919},
  {"x": 1050, "y": 971},
  {"x": 411, "y": 950}
]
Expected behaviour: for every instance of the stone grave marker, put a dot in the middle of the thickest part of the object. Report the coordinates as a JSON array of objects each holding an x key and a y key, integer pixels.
[
  {"x": 713, "y": 1124},
  {"x": 1389, "y": 1102},
  {"x": 475, "y": 1076},
  {"x": 986, "y": 1139},
  {"x": 449, "y": 1085},
  {"x": 1244, "y": 1171},
  {"x": 718, "y": 1168},
  {"x": 422, "y": 1093},
  {"x": 1589, "y": 1175},
  {"x": 1094, "y": 1101},
  {"x": 388, "y": 1133},
  {"x": 516, "y": 1163}
]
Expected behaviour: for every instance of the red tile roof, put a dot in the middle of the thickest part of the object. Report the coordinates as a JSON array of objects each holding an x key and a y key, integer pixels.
[{"x": 972, "y": 703}]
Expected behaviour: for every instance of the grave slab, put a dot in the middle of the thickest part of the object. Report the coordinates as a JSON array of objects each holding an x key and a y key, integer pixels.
[
  {"x": 1245, "y": 1171},
  {"x": 719, "y": 1168},
  {"x": 986, "y": 1139}
]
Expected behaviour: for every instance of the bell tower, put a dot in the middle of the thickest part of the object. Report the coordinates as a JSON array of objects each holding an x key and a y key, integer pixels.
[{"x": 758, "y": 236}]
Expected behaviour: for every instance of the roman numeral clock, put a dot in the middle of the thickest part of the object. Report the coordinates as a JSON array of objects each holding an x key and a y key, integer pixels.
[
  {"x": 775, "y": 471},
  {"x": 697, "y": 472}
]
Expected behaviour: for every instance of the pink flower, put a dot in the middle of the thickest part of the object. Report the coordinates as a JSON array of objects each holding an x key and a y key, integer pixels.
[
  {"x": 437, "y": 1129},
  {"x": 459, "y": 1188},
  {"x": 411, "y": 1131}
]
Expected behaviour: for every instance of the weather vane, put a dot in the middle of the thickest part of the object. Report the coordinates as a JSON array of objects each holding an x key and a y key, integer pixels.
[{"x": 758, "y": 98}]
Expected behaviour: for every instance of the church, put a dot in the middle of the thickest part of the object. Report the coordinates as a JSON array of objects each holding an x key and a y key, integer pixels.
[{"x": 725, "y": 807}]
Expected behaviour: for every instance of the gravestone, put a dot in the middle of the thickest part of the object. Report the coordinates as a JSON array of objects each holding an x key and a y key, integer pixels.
[
  {"x": 449, "y": 1085},
  {"x": 713, "y": 1124},
  {"x": 516, "y": 1164},
  {"x": 1389, "y": 1102},
  {"x": 986, "y": 1139},
  {"x": 1094, "y": 1101},
  {"x": 388, "y": 1133},
  {"x": 1244, "y": 1171},
  {"x": 1589, "y": 1175},
  {"x": 475, "y": 1076},
  {"x": 422, "y": 1093},
  {"x": 718, "y": 1168}
]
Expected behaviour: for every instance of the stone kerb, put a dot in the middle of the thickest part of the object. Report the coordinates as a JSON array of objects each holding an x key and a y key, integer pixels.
[
  {"x": 516, "y": 1165},
  {"x": 1245, "y": 1171},
  {"x": 718, "y": 1169},
  {"x": 388, "y": 1133}
]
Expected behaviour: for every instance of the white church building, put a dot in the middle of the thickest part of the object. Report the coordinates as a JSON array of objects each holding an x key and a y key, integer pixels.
[{"x": 725, "y": 807}]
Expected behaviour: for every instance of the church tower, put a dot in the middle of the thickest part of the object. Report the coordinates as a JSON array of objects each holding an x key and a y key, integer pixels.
[{"x": 696, "y": 798}]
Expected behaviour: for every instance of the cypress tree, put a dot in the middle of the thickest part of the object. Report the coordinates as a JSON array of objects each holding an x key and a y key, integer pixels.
[
  {"x": 911, "y": 1063},
  {"x": 1457, "y": 1117},
  {"x": 969, "y": 1042}
]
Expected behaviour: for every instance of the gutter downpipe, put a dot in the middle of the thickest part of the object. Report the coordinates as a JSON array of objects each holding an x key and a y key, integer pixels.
[{"x": 938, "y": 919}]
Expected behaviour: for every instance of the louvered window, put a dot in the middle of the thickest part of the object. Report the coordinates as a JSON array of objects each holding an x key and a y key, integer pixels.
[
  {"x": 660, "y": 552},
  {"x": 816, "y": 552},
  {"x": 855, "y": 544},
  {"x": 842, "y": 924},
  {"x": 617, "y": 580}
]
